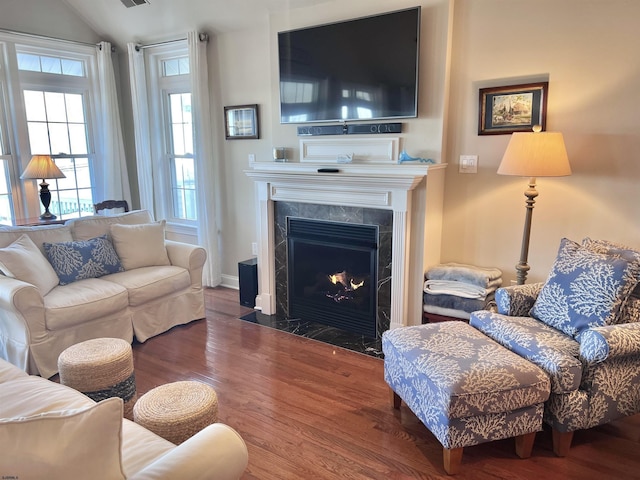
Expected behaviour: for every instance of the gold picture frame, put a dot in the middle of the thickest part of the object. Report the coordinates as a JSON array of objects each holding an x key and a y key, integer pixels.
[
  {"x": 241, "y": 122},
  {"x": 513, "y": 108}
]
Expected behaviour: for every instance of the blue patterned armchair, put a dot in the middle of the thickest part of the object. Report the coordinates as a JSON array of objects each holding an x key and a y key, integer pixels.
[{"x": 582, "y": 327}]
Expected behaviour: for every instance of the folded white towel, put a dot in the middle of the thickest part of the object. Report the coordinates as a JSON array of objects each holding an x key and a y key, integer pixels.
[
  {"x": 461, "y": 272},
  {"x": 447, "y": 312},
  {"x": 460, "y": 289}
]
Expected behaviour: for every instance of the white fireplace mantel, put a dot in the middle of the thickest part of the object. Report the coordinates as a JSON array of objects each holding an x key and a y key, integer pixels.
[{"x": 412, "y": 191}]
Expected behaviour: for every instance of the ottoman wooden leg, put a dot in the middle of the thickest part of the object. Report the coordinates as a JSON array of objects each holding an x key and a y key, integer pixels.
[
  {"x": 561, "y": 442},
  {"x": 452, "y": 459},
  {"x": 396, "y": 401},
  {"x": 524, "y": 444}
]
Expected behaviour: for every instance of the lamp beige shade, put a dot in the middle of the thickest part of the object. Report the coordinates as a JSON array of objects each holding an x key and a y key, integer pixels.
[
  {"x": 535, "y": 154},
  {"x": 42, "y": 166}
]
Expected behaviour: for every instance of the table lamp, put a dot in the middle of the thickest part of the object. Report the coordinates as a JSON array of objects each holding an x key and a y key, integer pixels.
[
  {"x": 533, "y": 154},
  {"x": 42, "y": 166}
]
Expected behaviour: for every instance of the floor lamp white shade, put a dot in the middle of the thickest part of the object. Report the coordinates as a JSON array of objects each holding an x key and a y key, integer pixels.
[{"x": 533, "y": 154}]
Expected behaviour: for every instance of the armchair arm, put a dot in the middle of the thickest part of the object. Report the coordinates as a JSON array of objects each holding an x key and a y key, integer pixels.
[
  {"x": 191, "y": 257},
  {"x": 612, "y": 341},
  {"x": 21, "y": 320},
  {"x": 217, "y": 452},
  {"x": 517, "y": 300}
]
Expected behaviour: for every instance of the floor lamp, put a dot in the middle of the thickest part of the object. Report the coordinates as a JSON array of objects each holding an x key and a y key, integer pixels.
[
  {"x": 42, "y": 166},
  {"x": 533, "y": 154}
]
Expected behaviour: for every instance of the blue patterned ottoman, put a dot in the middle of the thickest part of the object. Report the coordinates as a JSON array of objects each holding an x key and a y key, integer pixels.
[{"x": 465, "y": 388}]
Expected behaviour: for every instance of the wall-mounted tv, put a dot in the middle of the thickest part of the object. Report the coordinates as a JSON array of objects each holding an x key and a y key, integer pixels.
[{"x": 360, "y": 69}]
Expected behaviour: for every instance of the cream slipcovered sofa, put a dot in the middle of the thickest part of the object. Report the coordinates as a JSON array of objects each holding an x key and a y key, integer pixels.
[
  {"x": 157, "y": 284},
  {"x": 51, "y": 431}
]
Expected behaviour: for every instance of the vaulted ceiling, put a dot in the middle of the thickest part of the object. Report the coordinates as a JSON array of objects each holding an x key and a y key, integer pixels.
[{"x": 163, "y": 19}]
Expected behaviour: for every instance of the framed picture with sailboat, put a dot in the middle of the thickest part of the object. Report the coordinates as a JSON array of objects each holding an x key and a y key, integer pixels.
[{"x": 513, "y": 108}]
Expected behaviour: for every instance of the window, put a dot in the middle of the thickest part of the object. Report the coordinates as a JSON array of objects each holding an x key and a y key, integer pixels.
[
  {"x": 46, "y": 93},
  {"x": 44, "y": 64},
  {"x": 170, "y": 96},
  {"x": 57, "y": 126},
  {"x": 181, "y": 156}
]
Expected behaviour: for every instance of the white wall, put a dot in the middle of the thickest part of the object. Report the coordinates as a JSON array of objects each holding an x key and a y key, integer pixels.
[
  {"x": 50, "y": 18},
  {"x": 588, "y": 52},
  {"x": 248, "y": 71}
]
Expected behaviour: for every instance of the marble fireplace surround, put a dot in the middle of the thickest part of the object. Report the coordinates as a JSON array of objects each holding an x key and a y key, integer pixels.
[{"x": 413, "y": 192}]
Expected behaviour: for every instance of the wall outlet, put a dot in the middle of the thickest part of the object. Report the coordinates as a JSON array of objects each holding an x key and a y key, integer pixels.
[
  {"x": 468, "y": 164},
  {"x": 254, "y": 248},
  {"x": 252, "y": 157}
]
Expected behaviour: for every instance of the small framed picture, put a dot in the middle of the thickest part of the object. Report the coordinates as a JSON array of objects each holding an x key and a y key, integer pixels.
[
  {"x": 241, "y": 121},
  {"x": 514, "y": 108}
]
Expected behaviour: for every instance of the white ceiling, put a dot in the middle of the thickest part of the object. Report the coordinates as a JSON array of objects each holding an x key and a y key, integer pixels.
[{"x": 164, "y": 19}]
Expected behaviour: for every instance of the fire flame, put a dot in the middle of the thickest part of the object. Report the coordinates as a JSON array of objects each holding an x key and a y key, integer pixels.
[{"x": 347, "y": 283}]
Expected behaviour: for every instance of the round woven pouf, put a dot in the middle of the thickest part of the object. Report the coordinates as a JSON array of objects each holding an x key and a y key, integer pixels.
[
  {"x": 177, "y": 410},
  {"x": 100, "y": 368}
]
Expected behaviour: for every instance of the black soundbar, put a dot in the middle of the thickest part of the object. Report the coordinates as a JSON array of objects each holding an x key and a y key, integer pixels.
[{"x": 356, "y": 129}]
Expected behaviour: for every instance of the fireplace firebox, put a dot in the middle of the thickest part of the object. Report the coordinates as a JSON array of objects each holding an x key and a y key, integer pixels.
[{"x": 332, "y": 269}]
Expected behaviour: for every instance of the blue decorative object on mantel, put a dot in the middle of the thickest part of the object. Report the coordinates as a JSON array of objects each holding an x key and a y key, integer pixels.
[{"x": 404, "y": 157}]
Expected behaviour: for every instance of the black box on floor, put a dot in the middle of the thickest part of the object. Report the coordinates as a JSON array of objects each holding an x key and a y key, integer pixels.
[{"x": 248, "y": 282}]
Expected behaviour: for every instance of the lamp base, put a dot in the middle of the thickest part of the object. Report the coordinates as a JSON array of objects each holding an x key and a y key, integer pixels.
[
  {"x": 45, "y": 198},
  {"x": 47, "y": 216}
]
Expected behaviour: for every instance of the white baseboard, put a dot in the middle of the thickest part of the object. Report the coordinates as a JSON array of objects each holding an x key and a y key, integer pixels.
[{"x": 230, "y": 281}]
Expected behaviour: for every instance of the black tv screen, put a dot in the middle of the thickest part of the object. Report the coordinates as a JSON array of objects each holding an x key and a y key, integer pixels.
[{"x": 361, "y": 69}]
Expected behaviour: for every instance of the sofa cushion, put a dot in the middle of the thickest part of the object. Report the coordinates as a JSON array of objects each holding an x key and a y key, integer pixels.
[
  {"x": 82, "y": 259},
  {"x": 140, "y": 245},
  {"x": 584, "y": 289},
  {"x": 83, "y": 301},
  {"x": 75, "y": 443},
  {"x": 38, "y": 234},
  {"x": 90, "y": 227},
  {"x": 551, "y": 350},
  {"x": 24, "y": 261},
  {"x": 149, "y": 283}
]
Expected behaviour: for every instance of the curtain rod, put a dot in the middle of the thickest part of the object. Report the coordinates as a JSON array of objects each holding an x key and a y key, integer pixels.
[
  {"x": 203, "y": 37},
  {"x": 44, "y": 37}
]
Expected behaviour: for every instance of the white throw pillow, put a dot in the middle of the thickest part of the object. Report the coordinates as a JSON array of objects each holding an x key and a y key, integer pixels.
[
  {"x": 79, "y": 443},
  {"x": 24, "y": 261},
  {"x": 140, "y": 245}
]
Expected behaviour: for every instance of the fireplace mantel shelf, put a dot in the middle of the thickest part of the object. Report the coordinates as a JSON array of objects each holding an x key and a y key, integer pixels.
[{"x": 346, "y": 169}]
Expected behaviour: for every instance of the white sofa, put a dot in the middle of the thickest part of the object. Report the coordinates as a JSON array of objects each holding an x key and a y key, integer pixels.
[
  {"x": 160, "y": 287},
  {"x": 48, "y": 430}
]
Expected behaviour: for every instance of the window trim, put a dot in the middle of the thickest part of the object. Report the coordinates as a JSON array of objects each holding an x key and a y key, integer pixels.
[
  {"x": 159, "y": 88},
  {"x": 26, "y": 202}
]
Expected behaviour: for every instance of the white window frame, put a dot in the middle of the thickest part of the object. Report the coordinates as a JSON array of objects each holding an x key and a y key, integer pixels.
[
  {"x": 159, "y": 89},
  {"x": 7, "y": 159},
  {"x": 26, "y": 202}
]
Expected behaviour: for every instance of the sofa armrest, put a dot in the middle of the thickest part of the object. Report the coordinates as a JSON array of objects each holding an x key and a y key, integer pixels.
[
  {"x": 517, "y": 300},
  {"x": 186, "y": 255},
  {"x": 612, "y": 341},
  {"x": 216, "y": 451},
  {"x": 21, "y": 320}
]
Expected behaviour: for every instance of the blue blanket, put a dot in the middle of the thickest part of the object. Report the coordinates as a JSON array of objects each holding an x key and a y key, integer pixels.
[{"x": 480, "y": 276}]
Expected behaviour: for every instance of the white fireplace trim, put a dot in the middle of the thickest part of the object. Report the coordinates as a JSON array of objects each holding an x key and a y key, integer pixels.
[{"x": 370, "y": 186}]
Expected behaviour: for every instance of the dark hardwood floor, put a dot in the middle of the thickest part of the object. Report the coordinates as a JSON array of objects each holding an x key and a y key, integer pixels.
[{"x": 308, "y": 410}]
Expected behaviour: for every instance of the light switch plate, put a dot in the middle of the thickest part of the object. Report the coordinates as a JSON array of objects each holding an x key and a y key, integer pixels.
[{"x": 468, "y": 164}]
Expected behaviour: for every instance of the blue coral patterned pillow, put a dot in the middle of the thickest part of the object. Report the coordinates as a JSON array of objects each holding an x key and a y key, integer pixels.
[
  {"x": 584, "y": 289},
  {"x": 82, "y": 259}
]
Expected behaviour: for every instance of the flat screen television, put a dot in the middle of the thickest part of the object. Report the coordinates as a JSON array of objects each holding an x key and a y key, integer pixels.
[{"x": 360, "y": 69}]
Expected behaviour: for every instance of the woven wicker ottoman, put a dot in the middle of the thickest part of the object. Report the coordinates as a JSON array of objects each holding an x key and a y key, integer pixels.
[
  {"x": 100, "y": 368},
  {"x": 177, "y": 410},
  {"x": 465, "y": 388}
]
